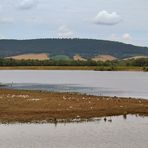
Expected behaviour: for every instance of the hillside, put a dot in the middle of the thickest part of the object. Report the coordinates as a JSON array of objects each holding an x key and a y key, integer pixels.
[{"x": 86, "y": 48}]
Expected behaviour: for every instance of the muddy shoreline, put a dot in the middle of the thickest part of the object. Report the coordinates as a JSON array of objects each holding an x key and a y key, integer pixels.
[{"x": 40, "y": 106}]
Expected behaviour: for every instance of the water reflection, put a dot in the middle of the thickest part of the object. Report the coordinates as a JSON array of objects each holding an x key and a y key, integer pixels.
[
  {"x": 132, "y": 132},
  {"x": 125, "y": 116}
]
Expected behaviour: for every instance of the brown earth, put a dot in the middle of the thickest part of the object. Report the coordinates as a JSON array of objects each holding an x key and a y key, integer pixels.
[{"x": 37, "y": 106}]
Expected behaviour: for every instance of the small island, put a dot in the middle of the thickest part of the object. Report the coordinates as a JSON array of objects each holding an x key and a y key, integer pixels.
[{"x": 25, "y": 106}]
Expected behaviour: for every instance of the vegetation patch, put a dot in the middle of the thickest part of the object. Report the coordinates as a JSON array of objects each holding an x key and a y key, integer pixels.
[
  {"x": 60, "y": 57},
  {"x": 68, "y": 64}
]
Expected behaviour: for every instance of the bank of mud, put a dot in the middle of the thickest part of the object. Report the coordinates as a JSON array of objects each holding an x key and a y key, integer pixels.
[{"x": 37, "y": 106}]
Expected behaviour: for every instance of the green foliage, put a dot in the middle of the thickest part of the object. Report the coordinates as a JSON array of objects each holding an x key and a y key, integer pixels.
[
  {"x": 137, "y": 62},
  {"x": 106, "y": 68},
  {"x": 108, "y": 65},
  {"x": 60, "y": 57}
]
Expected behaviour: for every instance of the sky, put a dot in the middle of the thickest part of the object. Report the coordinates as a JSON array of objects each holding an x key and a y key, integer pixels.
[{"x": 118, "y": 20}]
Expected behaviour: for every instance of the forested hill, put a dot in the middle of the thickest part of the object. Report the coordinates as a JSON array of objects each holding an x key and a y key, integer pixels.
[{"x": 87, "y": 48}]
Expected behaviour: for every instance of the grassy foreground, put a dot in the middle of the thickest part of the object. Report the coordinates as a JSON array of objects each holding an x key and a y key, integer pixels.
[
  {"x": 36, "y": 106},
  {"x": 97, "y": 68}
]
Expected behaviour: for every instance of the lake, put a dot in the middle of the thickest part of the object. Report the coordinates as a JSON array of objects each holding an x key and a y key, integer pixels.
[
  {"x": 115, "y": 132},
  {"x": 120, "y": 133},
  {"x": 124, "y": 84}
]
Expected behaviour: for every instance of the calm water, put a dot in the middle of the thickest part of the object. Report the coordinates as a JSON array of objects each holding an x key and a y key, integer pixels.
[
  {"x": 128, "y": 84},
  {"x": 120, "y": 133}
]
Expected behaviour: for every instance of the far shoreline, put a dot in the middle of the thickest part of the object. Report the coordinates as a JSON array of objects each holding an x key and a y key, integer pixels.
[{"x": 89, "y": 68}]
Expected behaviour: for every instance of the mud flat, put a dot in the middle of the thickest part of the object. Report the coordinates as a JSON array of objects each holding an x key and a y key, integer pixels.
[{"x": 40, "y": 106}]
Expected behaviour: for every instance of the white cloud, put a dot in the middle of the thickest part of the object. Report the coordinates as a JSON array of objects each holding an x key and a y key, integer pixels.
[
  {"x": 106, "y": 18},
  {"x": 28, "y": 4},
  {"x": 126, "y": 38},
  {"x": 65, "y": 32}
]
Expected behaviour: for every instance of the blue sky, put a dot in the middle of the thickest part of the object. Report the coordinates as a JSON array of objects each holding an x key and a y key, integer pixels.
[{"x": 120, "y": 20}]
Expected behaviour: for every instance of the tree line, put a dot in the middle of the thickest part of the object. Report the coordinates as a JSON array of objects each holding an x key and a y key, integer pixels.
[{"x": 132, "y": 62}]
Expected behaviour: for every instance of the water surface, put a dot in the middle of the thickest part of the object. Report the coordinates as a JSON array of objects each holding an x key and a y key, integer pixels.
[
  {"x": 120, "y": 133},
  {"x": 126, "y": 84}
]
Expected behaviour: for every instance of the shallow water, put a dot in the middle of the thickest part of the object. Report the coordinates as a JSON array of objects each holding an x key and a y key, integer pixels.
[
  {"x": 120, "y": 133},
  {"x": 126, "y": 84}
]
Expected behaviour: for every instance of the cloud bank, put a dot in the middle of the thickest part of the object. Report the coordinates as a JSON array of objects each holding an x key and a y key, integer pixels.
[
  {"x": 126, "y": 38},
  {"x": 64, "y": 32}
]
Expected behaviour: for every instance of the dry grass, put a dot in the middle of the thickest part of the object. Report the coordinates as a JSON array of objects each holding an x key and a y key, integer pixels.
[
  {"x": 33, "y": 106},
  {"x": 41, "y": 56},
  {"x": 104, "y": 58}
]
